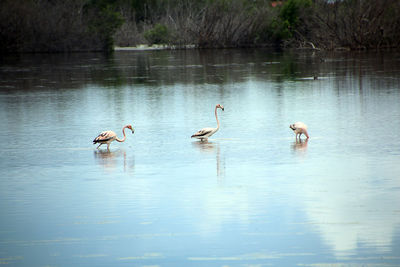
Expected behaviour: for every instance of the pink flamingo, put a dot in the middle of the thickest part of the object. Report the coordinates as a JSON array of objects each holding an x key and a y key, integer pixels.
[
  {"x": 107, "y": 137},
  {"x": 299, "y": 128},
  {"x": 204, "y": 133}
]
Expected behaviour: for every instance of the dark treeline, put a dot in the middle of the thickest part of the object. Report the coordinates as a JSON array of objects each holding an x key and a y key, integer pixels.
[
  {"x": 58, "y": 25},
  {"x": 87, "y": 25}
]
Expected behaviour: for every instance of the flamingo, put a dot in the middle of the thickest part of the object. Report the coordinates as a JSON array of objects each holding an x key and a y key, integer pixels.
[
  {"x": 204, "y": 133},
  {"x": 299, "y": 128},
  {"x": 107, "y": 137}
]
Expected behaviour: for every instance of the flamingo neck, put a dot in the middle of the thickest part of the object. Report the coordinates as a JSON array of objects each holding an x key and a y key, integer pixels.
[
  {"x": 123, "y": 139},
  {"x": 216, "y": 117}
]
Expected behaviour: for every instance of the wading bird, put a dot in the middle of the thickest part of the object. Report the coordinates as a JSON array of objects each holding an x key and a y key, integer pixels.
[
  {"x": 204, "y": 133},
  {"x": 107, "y": 137},
  {"x": 299, "y": 128}
]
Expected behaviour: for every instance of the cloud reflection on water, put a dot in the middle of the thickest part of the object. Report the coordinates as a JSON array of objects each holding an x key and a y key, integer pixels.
[{"x": 348, "y": 210}]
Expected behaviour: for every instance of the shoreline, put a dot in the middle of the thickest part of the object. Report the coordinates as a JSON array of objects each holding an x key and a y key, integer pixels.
[{"x": 144, "y": 47}]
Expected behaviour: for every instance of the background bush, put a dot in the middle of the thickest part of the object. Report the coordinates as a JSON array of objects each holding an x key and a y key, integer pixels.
[
  {"x": 87, "y": 25},
  {"x": 157, "y": 35}
]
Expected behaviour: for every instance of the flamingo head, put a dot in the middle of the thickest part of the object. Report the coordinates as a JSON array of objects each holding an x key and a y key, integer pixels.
[
  {"x": 220, "y": 106},
  {"x": 130, "y": 127},
  {"x": 291, "y": 126}
]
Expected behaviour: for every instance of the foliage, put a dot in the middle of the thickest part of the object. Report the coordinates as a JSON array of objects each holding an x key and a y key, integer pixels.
[
  {"x": 290, "y": 11},
  {"x": 157, "y": 35},
  {"x": 355, "y": 24},
  {"x": 82, "y": 25},
  {"x": 57, "y": 25},
  {"x": 103, "y": 20},
  {"x": 288, "y": 19}
]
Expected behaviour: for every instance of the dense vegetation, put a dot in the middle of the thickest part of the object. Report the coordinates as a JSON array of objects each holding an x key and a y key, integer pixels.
[{"x": 83, "y": 25}]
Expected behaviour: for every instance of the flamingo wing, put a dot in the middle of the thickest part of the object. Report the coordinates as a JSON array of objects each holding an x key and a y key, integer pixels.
[
  {"x": 300, "y": 125},
  {"x": 203, "y": 132},
  {"x": 104, "y": 137}
]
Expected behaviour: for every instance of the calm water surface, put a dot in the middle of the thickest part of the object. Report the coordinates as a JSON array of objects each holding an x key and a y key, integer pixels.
[{"x": 250, "y": 196}]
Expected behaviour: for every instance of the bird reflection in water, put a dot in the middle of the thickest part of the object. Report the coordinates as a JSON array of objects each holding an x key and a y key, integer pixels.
[
  {"x": 211, "y": 147},
  {"x": 110, "y": 160},
  {"x": 300, "y": 146}
]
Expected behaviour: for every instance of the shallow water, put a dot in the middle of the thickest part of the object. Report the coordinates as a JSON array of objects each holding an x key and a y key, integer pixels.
[{"x": 250, "y": 196}]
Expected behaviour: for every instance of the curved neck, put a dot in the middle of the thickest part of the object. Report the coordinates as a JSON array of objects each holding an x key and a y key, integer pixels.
[
  {"x": 123, "y": 139},
  {"x": 216, "y": 117}
]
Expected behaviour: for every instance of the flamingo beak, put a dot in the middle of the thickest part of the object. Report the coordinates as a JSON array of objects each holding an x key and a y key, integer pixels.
[{"x": 133, "y": 130}]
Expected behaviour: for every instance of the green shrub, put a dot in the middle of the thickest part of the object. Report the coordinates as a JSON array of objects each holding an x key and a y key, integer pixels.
[
  {"x": 288, "y": 19},
  {"x": 103, "y": 20},
  {"x": 158, "y": 35}
]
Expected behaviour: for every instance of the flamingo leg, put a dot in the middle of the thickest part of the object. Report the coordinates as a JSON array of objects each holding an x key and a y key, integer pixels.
[{"x": 108, "y": 146}]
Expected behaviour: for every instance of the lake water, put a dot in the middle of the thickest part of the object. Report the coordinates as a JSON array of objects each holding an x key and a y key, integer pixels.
[{"x": 250, "y": 196}]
